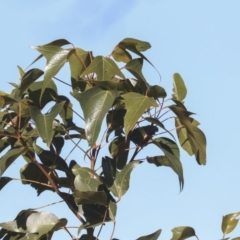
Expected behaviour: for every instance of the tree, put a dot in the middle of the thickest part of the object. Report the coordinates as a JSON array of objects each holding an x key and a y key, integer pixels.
[{"x": 36, "y": 122}]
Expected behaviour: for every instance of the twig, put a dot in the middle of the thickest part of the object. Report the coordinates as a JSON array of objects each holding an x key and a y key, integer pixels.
[{"x": 114, "y": 225}]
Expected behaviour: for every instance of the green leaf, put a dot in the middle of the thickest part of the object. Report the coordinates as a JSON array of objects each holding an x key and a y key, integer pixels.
[
  {"x": 5, "y": 99},
  {"x": 28, "y": 78},
  {"x": 121, "y": 55},
  {"x": 136, "y": 105},
  {"x": 44, "y": 122},
  {"x": 85, "y": 185},
  {"x": 9, "y": 157},
  {"x": 134, "y": 45},
  {"x": 78, "y": 62},
  {"x": 47, "y": 54},
  {"x": 159, "y": 161},
  {"x": 104, "y": 67},
  {"x": 153, "y": 236},
  {"x": 135, "y": 68},
  {"x": 198, "y": 144},
  {"x": 32, "y": 222},
  {"x": 95, "y": 103},
  {"x": 112, "y": 208},
  {"x": 171, "y": 151},
  {"x": 83, "y": 172},
  {"x": 4, "y": 143},
  {"x": 156, "y": 92},
  {"x": 237, "y": 238},
  {"x": 21, "y": 72},
  {"x": 194, "y": 143},
  {"x": 182, "y": 233},
  {"x": 121, "y": 183},
  {"x": 179, "y": 88},
  {"x": 53, "y": 66},
  {"x": 229, "y": 222},
  {"x": 183, "y": 137},
  {"x": 183, "y": 116}
]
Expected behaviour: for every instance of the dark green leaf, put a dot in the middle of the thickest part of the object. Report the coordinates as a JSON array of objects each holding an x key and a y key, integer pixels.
[
  {"x": 118, "y": 149},
  {"x": 36, "y": 178},
  {"x": 44, "y": 122},
  {"x": 153, "y": 236},
  {"x": 158, "y": 123},
  {"x": 121, "y": 183},
  {"x": 58, "y": 142},
  {"x": 171, "y": 151},
  {"x": 78, "y": 62},
  {"x": 90, "y": 197},
  {"x": 104, "y": 67},
  {"x": 60, "y": 224},
  {"x": 183, "y": 116},
  {"x": 156, "y": 92},
  {"x": 67, "y": 111},
  {"x": 182, "y": 233},
  {"x": 28, "y": 78},
  {"x": 179, "y": 88},
  {"x": 135, "y": 46},
  {"x": 109, "y": 170},
  {"x": 95, "y": 103},
  {"x": 34, "y": 92},
  {"x": 229, "y": 222},
  {"x": 4, "y": 181},
  {"x": 51, "y": 159},
  {"x": 94, "y": 215},
  {"x": 141, "y": 135},
  {"x": 136, "y": 105}
]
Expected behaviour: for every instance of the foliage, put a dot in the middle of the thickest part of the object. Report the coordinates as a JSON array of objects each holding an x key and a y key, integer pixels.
[{"x": 36, "y": 122}]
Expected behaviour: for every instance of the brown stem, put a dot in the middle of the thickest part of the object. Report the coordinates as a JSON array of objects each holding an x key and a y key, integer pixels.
[
  {"x": 137, "y": 150},
  {"x": 104, "y": 217}
]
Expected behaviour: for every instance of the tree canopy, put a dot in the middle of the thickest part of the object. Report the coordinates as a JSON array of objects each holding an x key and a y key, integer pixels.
[{"x": 118, "y": 111}]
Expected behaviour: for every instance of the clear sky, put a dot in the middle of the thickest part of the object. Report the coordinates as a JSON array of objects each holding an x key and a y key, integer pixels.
[{"x": 198, "y": 39}]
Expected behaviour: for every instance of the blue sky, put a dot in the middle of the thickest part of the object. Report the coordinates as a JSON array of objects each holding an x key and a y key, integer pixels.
[{"x": 198, "y": 39}]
